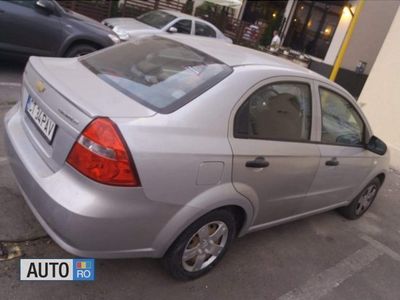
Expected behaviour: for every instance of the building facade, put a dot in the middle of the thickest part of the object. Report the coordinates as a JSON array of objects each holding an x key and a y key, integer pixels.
[
  {"x": 380, "y": 96},
  {"x": 318, "y": 28},
  {"x": 314, "y": 28}
]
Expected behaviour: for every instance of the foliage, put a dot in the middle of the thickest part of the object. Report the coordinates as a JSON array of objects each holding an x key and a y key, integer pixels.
[{"x": 188, "y": 8}]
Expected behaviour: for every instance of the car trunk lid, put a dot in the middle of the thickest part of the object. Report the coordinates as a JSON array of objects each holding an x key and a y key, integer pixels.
[
  {"x": 81, "y": 87},
  {"x": 71, "y": 96}
]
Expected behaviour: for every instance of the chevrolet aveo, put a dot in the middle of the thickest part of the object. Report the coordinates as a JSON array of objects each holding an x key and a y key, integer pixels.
[{"x": 172, "y": 147}]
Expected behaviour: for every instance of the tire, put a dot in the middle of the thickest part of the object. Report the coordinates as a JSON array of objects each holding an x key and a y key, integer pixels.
[
  {"x": 79, "y": 50},
  {"x": 362, "y": 202},
  {"x": 202, "y": 254}
]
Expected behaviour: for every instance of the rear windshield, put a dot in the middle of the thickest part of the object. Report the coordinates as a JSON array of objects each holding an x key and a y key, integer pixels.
[
  {"x": 156, "y": 18},
  {"x": 160, "y": 73}
]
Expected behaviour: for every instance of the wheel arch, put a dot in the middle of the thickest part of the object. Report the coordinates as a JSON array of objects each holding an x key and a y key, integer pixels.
[
  {"x": 381, "y": 177},
  {"x": 79, "y": 41},
  {"x": 220, "y": 197}
]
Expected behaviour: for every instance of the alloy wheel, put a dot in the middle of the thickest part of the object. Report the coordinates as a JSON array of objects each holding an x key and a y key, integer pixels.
[
  {"x": 366, "y": 198},
  {"x": 205, "y": 246}
]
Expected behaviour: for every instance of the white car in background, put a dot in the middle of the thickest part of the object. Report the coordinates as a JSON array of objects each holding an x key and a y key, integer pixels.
[{"x": 158, "y": 21}]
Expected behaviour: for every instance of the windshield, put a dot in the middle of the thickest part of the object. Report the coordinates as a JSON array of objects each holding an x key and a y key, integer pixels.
[
  {"x": 159, "y": 73},
  {"x": 156, "y": 18}
]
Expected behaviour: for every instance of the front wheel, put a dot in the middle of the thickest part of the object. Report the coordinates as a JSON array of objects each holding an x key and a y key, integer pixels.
[
  {"x": 362, "y": 202},
  {"x": 201, "y": 246}
]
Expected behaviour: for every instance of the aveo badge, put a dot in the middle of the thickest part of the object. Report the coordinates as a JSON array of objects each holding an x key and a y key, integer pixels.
[{"x": 57, "y": 269}]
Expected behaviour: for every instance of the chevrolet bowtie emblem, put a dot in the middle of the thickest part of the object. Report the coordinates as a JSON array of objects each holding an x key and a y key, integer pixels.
[{"x": 40, "y": 86}]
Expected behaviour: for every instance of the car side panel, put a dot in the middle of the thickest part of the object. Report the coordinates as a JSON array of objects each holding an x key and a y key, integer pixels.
[
  {"x": 337, "y": 184},
  {"x": 29, "y": 30},
  {"x": 75, "y": 31},
  {"x": 216, "y": 197},
  {"x": 168, "y": 163}
]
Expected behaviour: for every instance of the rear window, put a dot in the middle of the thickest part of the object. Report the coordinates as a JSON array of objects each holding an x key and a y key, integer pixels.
[
  {"x": 161, "y": 74},
  {"x": 156, "y": 18}
]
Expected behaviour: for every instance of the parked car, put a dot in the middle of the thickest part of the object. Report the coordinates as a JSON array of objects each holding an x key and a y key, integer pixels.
[
  {"x": 44, "y": 28},
  {"x": 158, "y": 21},
  {"x": 173, "y": 147}
]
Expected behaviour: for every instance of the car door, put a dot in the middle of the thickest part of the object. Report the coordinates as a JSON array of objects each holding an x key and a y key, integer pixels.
[
  {"x": 29, "y": 29},
  {"x": 274, "y": 158},
  {"x": 183, "y": 26},
  {"x": 345, "y": 162},
  {"x": 202, "y": 29}
]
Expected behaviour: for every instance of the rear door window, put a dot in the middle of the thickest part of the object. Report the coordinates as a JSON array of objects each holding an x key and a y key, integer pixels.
[
  {"x": 278, "y": 111},
  {"x": 156, "y": 18},
  {"x": 160, "y": 73},
  {"x": 203, "y": 29}
]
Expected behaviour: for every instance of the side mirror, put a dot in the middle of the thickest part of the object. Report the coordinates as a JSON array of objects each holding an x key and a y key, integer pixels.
[
  {"x": 172, "y": 29},
  {"x": 376, "y": 145},
  {"x": 46, "y": 5}
]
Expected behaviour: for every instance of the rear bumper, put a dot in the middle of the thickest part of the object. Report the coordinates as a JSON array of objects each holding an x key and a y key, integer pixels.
[{"x": 83, "y": 217}]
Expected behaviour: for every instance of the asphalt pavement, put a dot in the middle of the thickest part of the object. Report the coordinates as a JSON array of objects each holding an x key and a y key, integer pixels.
[{"x": 321, "y": 257}]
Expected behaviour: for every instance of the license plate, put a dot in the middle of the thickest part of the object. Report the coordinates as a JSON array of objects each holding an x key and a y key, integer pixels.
[{"x": 47, "y": 127}]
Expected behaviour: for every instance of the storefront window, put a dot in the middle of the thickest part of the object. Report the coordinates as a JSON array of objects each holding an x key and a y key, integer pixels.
[
  {"x": 313, "y": 26},
  {"x": 268, "y": 12}
]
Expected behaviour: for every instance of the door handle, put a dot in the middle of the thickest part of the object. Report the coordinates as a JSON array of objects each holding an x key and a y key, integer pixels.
[
  {"x": 258, "y": 162},
  {"x": 332, "y": 163}
]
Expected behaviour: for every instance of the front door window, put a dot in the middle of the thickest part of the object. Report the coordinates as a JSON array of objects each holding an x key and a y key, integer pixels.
[
  {"x": 183, "y": 26},
  {"x": 341, "y": 124}
]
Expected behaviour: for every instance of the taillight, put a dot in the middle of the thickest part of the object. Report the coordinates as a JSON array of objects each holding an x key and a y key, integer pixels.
[{"x": 101, "y": 154}]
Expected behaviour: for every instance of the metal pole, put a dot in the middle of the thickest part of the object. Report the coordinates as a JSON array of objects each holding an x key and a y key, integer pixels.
[
  {"x": 73, "y": 4},
  {"x": 345, "y": 44},
  {"x": 123, "y": 9},
  {"x": 109, "y": 8}
]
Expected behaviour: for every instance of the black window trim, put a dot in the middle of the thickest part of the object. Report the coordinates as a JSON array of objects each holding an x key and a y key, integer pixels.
[
  {"x": 364, "y": 133},
  {"x": 308, "y": 140},
  {"x": 315, "y": 97}
]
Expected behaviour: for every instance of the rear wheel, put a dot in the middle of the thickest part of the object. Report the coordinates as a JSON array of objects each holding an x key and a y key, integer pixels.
[
  {"x": 201, "y": 246},
  {"x": 362, "y": 202},
  {"x": 79, "y": 50}
]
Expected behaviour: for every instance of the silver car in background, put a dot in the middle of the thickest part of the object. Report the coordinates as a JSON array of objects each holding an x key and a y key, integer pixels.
[
  {"x": 163, "y": 21},
  {"x": 172, "y": 147}
]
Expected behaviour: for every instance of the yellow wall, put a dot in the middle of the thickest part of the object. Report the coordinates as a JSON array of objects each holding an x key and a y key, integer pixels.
[{"x": 380, "y": 98}]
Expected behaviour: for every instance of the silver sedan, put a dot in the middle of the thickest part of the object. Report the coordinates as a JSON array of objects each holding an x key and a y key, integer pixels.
[
  {"x": 163, "y": 21},
  {"x": 173, "y": 147}
]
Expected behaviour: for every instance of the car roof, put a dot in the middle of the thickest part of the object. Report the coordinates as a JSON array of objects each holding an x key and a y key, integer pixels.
[
  {"x": 234, "y": 55},
  {"x": 181, "y": 15}
]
